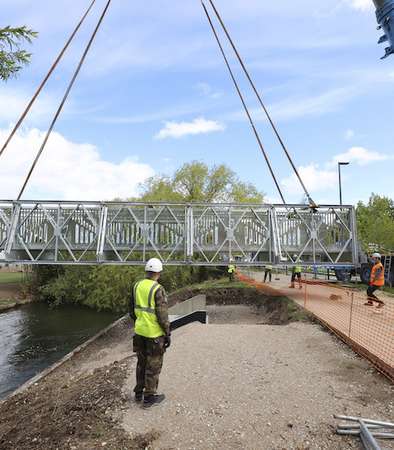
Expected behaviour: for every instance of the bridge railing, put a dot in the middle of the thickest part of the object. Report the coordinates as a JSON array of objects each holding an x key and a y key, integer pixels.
[{"x": 53, "y": 232}]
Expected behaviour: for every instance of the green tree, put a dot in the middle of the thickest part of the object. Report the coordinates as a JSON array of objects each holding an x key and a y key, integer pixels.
[
  {"x": 110, "y": 287},
  {"x": 375, "y": 221},
  {"x": 12, "y": 56},
  {"x": 160, "y": 189},
  {"x": 196, "y": 182}
]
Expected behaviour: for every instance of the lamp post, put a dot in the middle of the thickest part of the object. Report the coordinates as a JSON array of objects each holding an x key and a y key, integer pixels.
[{"x": 340, "y": 179}]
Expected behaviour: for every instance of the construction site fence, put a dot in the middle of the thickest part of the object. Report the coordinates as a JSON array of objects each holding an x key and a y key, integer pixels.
[{"x": 367, "y": 330}]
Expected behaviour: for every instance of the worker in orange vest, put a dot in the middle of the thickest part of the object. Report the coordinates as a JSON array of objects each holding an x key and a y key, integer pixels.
[{"x": 376, "y": 281}]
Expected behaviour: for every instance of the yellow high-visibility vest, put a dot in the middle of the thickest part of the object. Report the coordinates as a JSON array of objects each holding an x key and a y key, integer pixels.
[
  {"x": 298, "y": 269},
  {"x": 146, "y": 324},
  {"x": 231, "y": 268}
]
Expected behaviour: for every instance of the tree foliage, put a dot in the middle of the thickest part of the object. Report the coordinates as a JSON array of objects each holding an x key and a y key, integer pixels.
[
  {"x": 375, "y": 221},
  {"x": 12, "y": 56},
  {"x": 108, "y": 288},
  {"x": 196, "y": 182}
]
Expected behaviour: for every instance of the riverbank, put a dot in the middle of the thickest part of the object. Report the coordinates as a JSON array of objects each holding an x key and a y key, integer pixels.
[
  {"x": 7, "y": 304},
  {"x": 264, "y": 386},
  {"x": 12, "y": 291}
]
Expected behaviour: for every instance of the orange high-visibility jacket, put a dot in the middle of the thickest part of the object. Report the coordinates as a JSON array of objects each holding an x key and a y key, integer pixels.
[{"x": 377, "y": 275}]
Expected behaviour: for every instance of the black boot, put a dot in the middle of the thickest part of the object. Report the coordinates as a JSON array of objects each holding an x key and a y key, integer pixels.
[
  {"x": 152, "y": 400},
  {"x": 139, "y": 396}
]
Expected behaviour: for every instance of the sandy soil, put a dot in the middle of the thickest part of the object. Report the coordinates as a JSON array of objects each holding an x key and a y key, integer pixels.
[{"x": 230, "y": 385}]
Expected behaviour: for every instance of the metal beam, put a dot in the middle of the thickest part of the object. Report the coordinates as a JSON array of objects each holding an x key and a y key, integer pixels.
[{"x": 129, "y": 233}]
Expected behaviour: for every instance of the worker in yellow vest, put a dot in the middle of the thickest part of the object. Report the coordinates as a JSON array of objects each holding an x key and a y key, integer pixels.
[
  {"x": 296, "y": 273},
  {"x": 149, "y": 310},
  {"x": 231, "y": 272},
  {"x": 268, "y": 273},
  {"x": 376, "y": 281}
]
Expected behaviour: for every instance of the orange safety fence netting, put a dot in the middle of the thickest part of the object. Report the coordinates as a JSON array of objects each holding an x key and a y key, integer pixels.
[{"x": 368, "y": 330}]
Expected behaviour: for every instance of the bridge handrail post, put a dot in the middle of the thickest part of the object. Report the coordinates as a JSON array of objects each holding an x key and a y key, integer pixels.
[
  {"x": 275, "y": 236},
  {"x": 353, "y": 227},
  {"x": 102, "y": 231},
  {"x": 16, "y": 209},
  {"x": 189, "y": 231}
]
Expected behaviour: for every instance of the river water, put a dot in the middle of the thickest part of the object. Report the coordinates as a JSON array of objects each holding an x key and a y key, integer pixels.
[{"x": 35, "y": 336}]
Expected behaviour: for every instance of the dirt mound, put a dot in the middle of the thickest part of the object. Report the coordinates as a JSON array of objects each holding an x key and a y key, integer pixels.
[
  {"x": 272, "y": 310},
  {"x": 76, "y": 416}
]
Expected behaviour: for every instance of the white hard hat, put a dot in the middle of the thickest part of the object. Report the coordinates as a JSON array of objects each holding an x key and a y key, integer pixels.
[
  {"x": 377, "y": 255},
  {"x": 154, "y": 265}
]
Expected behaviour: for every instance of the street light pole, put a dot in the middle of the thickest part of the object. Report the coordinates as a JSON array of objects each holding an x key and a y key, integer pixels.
[{"x": 340, "y": 180}]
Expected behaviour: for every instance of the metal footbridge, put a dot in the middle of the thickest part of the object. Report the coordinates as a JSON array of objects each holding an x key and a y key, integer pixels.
[
  {"x": 54, "y": 232},
  {"x": 129, "y": 233}
]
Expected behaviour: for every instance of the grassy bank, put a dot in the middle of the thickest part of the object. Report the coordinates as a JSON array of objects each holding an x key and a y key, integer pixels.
[
  {"x": 7, "y": 304},
  {"x": 11, "y": 277}
]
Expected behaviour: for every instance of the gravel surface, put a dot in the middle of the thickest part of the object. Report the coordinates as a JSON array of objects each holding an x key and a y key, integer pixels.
[
  {"x": 259, "y": 387},
  {"x": 234, "y": 384},
  {"x": 233, "y": 314}
]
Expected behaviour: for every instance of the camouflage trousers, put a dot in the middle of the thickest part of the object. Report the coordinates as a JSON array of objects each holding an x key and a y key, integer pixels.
[{"x": 150, "y": 354}]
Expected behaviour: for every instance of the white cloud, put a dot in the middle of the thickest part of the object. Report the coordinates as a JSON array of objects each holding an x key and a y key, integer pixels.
[
  {"x": 206, "y": 90},
  {"x": 43, "y": 108},
  {"x": 17, "y": 100},
  {"x": 349, "y": 134},
  {"x": 324, "y": 178},
  {"x": 315, "y": 178},
  {"x": 361, "y": 5},
  {"x": 67, "y": 170},
  {"x": 361, "y": 156},
  {"x": 200, "y": 125}
]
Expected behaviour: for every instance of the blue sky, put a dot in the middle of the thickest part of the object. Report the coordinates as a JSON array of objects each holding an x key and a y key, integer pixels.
[{"x": 154, "y": 93}]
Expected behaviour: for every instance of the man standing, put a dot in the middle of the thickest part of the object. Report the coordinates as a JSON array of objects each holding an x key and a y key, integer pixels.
[
  {"x": 296, "y": 273},
  {"x": 231, "y": 272},
  {"x": 268, "y": 273},
  {"x": 149, "y": 310},
  {"x": 376, "y": 281}
]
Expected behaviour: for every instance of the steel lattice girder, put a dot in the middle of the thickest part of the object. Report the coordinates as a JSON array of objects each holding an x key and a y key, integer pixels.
[{"x": 49, "y": 232}]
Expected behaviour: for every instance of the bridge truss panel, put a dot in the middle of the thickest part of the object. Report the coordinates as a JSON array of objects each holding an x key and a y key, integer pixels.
[{"x": 179, "y": 234}]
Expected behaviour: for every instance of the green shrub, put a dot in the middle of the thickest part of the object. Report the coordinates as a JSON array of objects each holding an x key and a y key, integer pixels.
[{"x": 107, "y": 288}]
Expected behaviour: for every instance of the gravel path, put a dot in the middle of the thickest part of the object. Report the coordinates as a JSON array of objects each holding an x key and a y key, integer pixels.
[
  {"x": 259, "y": 387},
  {"x": 331, "y": 303}
]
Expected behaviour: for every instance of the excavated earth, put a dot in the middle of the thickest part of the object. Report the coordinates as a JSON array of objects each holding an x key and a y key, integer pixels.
[{"x": 242, "y": 382}]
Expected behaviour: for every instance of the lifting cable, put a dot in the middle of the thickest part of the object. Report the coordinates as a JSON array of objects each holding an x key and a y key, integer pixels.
[
  {"x": 243, "y": 102},
  {"x": 310, "y": 200},
  {"x": 44, "y": 81},
  {"x": 59, "y": 110}
]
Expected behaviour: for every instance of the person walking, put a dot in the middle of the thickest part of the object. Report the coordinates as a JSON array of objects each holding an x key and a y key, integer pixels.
[
  {"x": 149, "y": 310},
  {"x": 268, "y": 273},
  {"x": 296, "y": 273},
  {"x": 376, "y": 281}
]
